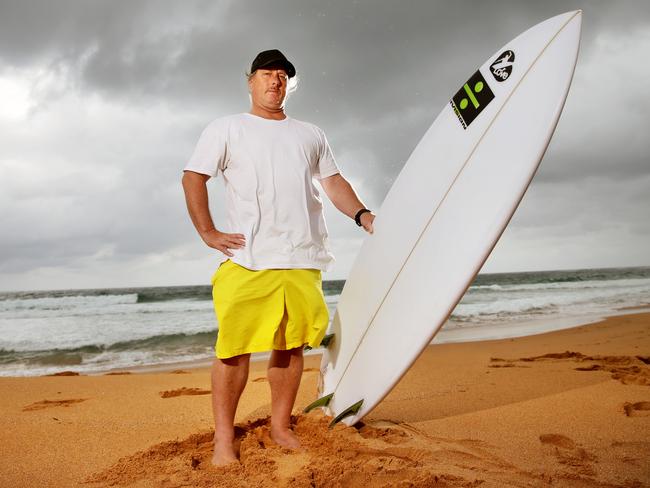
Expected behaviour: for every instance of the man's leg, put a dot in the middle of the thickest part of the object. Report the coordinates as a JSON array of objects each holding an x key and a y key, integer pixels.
[
  {"x": 229, "y": 378},
  {"x": 284, "y": 374}
]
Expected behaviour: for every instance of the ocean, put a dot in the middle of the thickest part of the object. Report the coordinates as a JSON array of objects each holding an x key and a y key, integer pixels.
[{"x": 97, "y": 330}]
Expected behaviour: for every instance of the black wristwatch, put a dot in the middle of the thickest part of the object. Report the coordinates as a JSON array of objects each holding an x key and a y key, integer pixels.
[{"x": 357, "y": 217}]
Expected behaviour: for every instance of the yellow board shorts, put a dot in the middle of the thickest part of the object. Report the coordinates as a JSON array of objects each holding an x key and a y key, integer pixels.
[{"x": 267, "y": 309}]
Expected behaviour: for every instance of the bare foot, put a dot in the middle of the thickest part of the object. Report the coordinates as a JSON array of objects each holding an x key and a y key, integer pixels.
[
  {"x": 223, "y": 454},
  {"x": 285, "y": 438}
]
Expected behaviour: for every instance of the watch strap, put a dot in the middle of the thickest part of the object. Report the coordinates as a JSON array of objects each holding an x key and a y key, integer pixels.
[{"x": 357, "y": 217}]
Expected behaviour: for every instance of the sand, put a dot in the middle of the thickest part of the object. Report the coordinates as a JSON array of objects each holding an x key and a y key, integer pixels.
[{"x": 567, "y": 408}]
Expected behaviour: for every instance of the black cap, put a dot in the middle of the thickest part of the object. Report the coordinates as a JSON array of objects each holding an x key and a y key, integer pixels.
[{"x": 273, "y": 57}]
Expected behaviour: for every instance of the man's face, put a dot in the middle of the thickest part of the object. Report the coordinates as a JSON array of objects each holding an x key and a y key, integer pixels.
[{"x": 268, "y": 88}]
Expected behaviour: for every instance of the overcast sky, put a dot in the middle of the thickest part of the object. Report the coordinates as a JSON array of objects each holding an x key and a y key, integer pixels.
[{"x": 102, "y": 102}]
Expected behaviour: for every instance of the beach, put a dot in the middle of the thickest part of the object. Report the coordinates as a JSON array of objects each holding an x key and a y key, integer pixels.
[{"x": 562, "y": 408}]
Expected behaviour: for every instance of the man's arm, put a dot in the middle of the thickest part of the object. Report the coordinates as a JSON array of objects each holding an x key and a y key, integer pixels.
[
  {"x": 344, "y": 198},
  {"x": 196, "y": 197}
]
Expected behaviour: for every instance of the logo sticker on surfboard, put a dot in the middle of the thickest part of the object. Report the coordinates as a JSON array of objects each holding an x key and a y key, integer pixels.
[
  {"x": 502, "y": 67},
  {"x": 471, "y": 99}
]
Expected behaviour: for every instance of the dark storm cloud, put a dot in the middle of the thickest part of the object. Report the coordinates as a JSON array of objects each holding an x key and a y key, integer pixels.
[
  {"x": 373, "y": 75},
  {"x": 381, "y": 55}
]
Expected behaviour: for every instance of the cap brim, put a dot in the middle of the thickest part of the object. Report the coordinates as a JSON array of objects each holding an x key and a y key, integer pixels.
[{"x": 285, "y": 65}]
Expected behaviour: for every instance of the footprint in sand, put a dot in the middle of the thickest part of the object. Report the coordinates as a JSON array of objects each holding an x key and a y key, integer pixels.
[
  {"x": 629, "y": 370},
  {"x": 383, "y": 433},
  {"x": 637, "y": 409},
  {"x": 184, "y": 391},
  {"x": 505, "y": 363},
  {"x": 557, "y": 440},
  {"x": 52, "y": 403},
  {"x": 567, "y": 453},
  {"x": 261, "y": 379}
]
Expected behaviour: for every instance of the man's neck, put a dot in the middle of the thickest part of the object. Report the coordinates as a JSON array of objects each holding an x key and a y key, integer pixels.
[{"x": 266, "y": 114}]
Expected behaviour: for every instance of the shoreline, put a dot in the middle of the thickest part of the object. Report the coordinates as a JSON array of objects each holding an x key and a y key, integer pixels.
[{"x": 449, "y": 336}]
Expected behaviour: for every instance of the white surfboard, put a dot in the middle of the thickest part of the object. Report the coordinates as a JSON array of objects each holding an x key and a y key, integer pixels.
[{"x": 444, "y": 214}]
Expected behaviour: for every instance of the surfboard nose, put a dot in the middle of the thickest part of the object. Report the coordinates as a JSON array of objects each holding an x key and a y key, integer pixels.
[
  {"x": 575, "y": 16},
  {"x": 558, "y": 22}
]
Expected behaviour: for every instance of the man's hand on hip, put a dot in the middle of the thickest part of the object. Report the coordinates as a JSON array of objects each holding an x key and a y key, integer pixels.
[{"x": 223, "y": 241}]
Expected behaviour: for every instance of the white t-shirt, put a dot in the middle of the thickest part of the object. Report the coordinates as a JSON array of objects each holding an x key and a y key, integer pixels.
[{"x": 268, "y": 168}]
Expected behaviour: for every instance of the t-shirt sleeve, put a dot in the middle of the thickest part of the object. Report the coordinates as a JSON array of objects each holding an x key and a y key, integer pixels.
[
  {"x": 326, "y": 164},
  {"x": 210, "y": 155}
]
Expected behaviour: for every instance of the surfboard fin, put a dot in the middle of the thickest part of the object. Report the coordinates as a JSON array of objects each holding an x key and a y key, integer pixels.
[
  {"x": 321, "y": 402},
  {"x": 325, "y": 342},
  {"x": 351, "y": 410}
]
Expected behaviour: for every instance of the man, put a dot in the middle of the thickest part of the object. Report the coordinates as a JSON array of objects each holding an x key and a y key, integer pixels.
[{"x": 267, "y": 290}]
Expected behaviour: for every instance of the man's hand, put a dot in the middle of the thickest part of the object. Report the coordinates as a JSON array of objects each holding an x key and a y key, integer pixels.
[
  {"x": 223, "y": 241},
  {"x": 367, "y": 218},
  {"x": 196, "y": 196}
]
